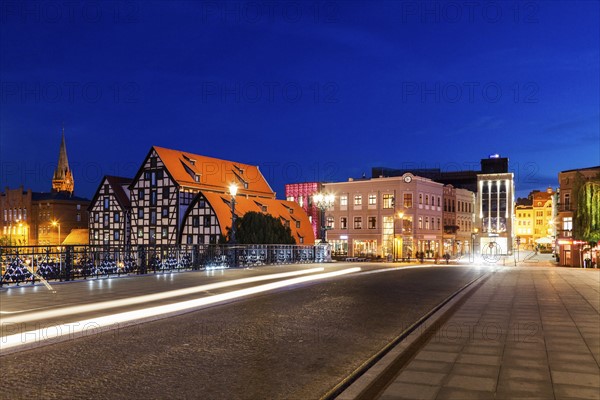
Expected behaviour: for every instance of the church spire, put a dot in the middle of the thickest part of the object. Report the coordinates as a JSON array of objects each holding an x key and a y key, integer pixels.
[{"x": 63, "y": 178}]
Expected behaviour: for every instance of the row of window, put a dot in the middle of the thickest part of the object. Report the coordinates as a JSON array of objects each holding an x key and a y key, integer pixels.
[
  {"x": 451, "y": 205},
  {"x": 16, "y": 214},
  {"x": 152, "y": 196},
  {"x": 201, "y": 239},
  {"x": 116, "y": 235},
  {"x": 14, "y": 230},
  {"x": 427, "y": 222},
  {"x": 388, "y": 200}
]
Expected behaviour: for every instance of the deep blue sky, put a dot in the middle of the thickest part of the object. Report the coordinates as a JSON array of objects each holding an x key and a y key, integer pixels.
[{"x": 308, "y": 91}]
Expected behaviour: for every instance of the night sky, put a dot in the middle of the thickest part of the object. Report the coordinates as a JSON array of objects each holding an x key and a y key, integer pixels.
[{"x": 307, "y": 91}]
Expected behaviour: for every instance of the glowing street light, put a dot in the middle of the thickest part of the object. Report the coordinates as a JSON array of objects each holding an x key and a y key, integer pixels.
[
  {"x": 473, "y": 234},
  {"x": 55, "y": 223},
  {"x": 401, "y": 218},
  {"x": 232, "y": 191},
  {"x": 323, "y": 201}
]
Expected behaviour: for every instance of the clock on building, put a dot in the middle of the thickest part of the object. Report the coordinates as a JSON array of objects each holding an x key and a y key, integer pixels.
[{"x": 407, "y": 179}]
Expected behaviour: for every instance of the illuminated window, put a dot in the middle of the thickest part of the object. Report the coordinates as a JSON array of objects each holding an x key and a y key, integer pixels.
[
  {"x": 408, "y": 200},
  {"x": 420, "y": 198},
  {"x": 358, "y": 200},
  {"x": 426, "y": 222},
  {"x": 343, "y": 223},
  {"x": 388, "y": 200},
  {"x": 330, "y": 222},
  {"x": 372, "y": 199},
  {"x": 420, "y": 222},
  {"x": 343, "y": 200},
  {"x": 426, "y": 199}
]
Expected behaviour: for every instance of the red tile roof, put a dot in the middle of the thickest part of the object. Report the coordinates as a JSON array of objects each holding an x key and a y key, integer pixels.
[
  {"x": 213, "y": 174},
  {"x": 286, "y": 210}
]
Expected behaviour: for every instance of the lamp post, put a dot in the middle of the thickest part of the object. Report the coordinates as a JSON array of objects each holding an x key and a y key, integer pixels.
[
  {"x": 473, "y": 234},
  {"x": 55, "y": 223},
  {"x": 232, "y": 191},
  {"x": 323, "y": 201},
  {"x": 401, "y": 218}
]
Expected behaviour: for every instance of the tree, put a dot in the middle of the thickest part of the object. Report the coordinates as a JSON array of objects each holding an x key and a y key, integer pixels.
[
  {"x": 586, "y": 224},
  {"x": 259, "y": 228}
]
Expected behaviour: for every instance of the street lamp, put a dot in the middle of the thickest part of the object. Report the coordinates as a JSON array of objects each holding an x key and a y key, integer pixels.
[
  {"x": 401, "y": 218},
  {"x": 473, "y": 234},
  {"x": 323, "y": 201},
  {"x": 232, "y": 191},
  {"x": 55, "y": 223}
]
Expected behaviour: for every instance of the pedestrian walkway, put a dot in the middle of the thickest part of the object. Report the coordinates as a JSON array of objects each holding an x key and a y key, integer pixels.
[{"x": 528, "y": 332}]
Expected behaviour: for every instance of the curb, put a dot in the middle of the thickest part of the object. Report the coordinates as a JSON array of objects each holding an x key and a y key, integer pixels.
[{"x": 370, "y": 379}]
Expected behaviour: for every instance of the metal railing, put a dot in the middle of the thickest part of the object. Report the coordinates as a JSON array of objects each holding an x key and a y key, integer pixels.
[{"x": 31, "y": 264}]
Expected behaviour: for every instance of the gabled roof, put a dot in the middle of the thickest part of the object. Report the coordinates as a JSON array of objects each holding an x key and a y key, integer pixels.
[
  {"x": 282, "y": 209},
  {"x": 117, "y": 185},
  {"x": 213, "y": 174}
]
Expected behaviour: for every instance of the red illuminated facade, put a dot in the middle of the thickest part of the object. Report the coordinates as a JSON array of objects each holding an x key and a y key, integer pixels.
[{"x": 302, "y": 193}]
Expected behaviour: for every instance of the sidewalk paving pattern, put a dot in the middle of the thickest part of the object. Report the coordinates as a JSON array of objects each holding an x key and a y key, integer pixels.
[{"x": 526, "y": 333}]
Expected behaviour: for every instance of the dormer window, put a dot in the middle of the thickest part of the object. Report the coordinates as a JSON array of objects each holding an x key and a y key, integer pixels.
[
  {"x": 190, "y": 160},
  {"x": 197, "y": 178}
]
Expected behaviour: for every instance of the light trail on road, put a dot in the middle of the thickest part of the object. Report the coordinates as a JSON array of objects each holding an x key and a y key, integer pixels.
[
  {"x": 61, "y": 312},
  {"x": 66, "y": 331}
]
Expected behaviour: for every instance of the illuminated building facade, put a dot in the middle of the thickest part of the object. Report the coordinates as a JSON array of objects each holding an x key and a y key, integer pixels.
[
  {"x": 571, "y": 250},
  {"x": 524, "y": 224},
  {"x": 179, "y": 197},
  {"x": 110, "y": 212},
  {"x": 392, "y": 217},
  {"x": 302, "y": 193},
  {"x": 543, "y": 217},
  {"x": 15, "y": 213},
  {"x": 495, "y": 200},
  {"x": 26, "y": 217},
  {"x": 458, "y": 219}
]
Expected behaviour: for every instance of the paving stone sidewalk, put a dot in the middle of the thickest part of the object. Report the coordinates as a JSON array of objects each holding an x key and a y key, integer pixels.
[{"x": 527, "y": 333}]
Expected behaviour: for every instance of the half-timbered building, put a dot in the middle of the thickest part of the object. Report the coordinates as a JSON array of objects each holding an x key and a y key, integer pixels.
[
  {"x": 179, "y": 197},
  {"x": 110, "y": 213}
]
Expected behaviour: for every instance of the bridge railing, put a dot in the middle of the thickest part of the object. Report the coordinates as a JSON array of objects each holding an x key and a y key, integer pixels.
[{"x": 31, "y": 264}]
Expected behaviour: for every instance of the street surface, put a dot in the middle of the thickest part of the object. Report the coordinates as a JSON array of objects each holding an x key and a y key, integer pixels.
[{"x": 291, "y": 342}]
